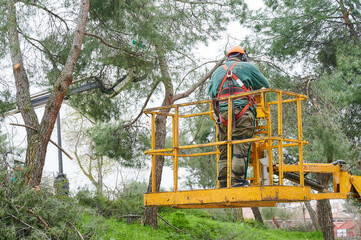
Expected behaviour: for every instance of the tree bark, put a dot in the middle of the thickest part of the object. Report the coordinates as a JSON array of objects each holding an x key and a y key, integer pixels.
[
  {"x": 345, "y": 16},
  {"x": 257, "y": 214},
  {"x": 324, "y": 213},
  {"x": 313, "y": 215},
  {"x": 238, "y": 215},
  {"x": 38, "y": 141},
  {"x": 160, "y": 136}
]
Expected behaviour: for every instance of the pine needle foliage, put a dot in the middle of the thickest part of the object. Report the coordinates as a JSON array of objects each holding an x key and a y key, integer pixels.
[{"x": 27, "y": 213}]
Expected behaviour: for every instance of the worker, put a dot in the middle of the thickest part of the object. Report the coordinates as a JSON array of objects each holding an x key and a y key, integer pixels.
[{"x": 234, "y": 77}]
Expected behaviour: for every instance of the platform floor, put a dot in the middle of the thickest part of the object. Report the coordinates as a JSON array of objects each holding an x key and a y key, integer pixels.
[{"x": 251, "y": 196}]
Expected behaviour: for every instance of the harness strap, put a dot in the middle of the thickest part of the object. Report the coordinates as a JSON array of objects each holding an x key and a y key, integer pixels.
[
  {"x": 215, "y": 103},
  {"x": 230, "y": 76}
]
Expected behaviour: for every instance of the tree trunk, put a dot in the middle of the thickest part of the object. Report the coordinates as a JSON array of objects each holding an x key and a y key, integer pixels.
[
  {"x": 324, "y": 213},
  {"x": 238, "y": 215},
  {"x": 150, "y": 213},
  {"x": 38, "y": 139},
  {"x": 313, "y": 215},
  {"x": 257, "y": 214}
]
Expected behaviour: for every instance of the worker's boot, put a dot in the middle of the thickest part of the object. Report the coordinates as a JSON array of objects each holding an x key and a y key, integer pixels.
[{"x": 239, "y": 183}]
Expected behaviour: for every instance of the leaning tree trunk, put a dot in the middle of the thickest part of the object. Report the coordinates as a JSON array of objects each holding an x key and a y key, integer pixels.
[
  {"x": 324, "y": 213},
  {"x": 38, "y": 135},
  {"x": 257, "y": 214},
  {"x": 313, "y": 215}
]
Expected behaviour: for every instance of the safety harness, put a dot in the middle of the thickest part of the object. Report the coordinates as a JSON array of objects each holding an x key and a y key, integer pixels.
[{"x": 231, "y": 90}]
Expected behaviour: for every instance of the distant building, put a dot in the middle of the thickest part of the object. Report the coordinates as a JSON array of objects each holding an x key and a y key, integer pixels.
[{"x": 347, "y": 230}]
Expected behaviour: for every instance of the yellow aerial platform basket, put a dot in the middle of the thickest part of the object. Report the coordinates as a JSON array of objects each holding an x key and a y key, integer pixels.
[{"x": 268, "y": 183}]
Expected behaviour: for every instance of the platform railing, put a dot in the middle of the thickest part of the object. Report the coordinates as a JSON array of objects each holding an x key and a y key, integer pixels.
[{"x": 263, "y": 142}]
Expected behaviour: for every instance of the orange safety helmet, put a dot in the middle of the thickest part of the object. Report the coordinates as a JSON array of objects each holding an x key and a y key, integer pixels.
[{"x": 236, "y": 49}]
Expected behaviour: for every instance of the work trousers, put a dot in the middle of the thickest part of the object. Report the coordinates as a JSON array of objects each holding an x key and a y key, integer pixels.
[{"x": 243, "y": 129}]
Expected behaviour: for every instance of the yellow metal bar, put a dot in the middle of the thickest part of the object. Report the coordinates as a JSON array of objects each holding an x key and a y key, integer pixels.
[
  {"x": 233, "y": 142},
  {"x": 256, "y": 165},
  {"x": 300, "y": 137},
  {"x": 262, "y": 103},
  {"x": 283, "y": 101},
  {"x": 312, "y": 168},
  {"x": 218, "y": 154},
  {"x": 153, "y": 156},
  {"x": 286, "y": 145},
  {"x": 229, "y": 205},
  {"x": 175, "y": 148},
  {"x": 229, "y": 196},
  {"x": 321, "y": 196},
  {"x": 161, "y": 154},
  {"x": 303, "y": 97},
  {"x": 226, "y": 142},
  {"x": 229, "y": 143},
  {"x": 195, "y": 114},
  {"x": 159, "y": 151},
  {"x": 345, "y": 182},
  {"x": 173, "y": 131},
  {"x": 197, "y": 154},
  {"x": 356, "y": 182},
  {"x": 280, "y": 143},
  {"x": 269, "y": 145}
]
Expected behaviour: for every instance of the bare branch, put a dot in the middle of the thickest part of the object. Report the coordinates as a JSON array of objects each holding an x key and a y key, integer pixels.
[
  {"x": 102, "y": 40},
  {"x": 202, "y": 2},
  {"x": 75, "y": 229},
  {"x": 200, "y": 82},
  {"x": 50, "y": 12},
  {"x": 56, "y": 145},
  {"x": 192, "y": 70},
  {"x": 144, "y": 105}
]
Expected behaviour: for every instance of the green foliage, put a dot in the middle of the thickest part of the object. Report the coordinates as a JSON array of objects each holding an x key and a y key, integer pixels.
[
  {"x": 23, "y": 209},
  {"x": 119, "y": 143},
  {"x": 179, "y": 219},
  {"x": 96, "y": 105},
  {"x": 7, "y": 102},
  {"x": 129, "y": 201},
  {"x": 299, "y": 28}
]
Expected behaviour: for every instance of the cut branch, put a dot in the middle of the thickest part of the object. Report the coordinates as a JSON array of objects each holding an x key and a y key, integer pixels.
[
  {"x": 39, "y": 218},
  {"x": 170, "y": 224},
  {"x": 56, "y": 145}
]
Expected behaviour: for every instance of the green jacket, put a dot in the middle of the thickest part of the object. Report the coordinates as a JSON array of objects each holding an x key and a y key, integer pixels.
[{"x": 248, "y": 73}]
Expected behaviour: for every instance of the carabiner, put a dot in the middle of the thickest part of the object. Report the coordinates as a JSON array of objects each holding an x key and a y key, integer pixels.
[{"x": 229, "y": 73}]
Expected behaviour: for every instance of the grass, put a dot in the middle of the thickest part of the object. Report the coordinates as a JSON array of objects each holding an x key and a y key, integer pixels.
[{"x": 196, "y": 228}]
